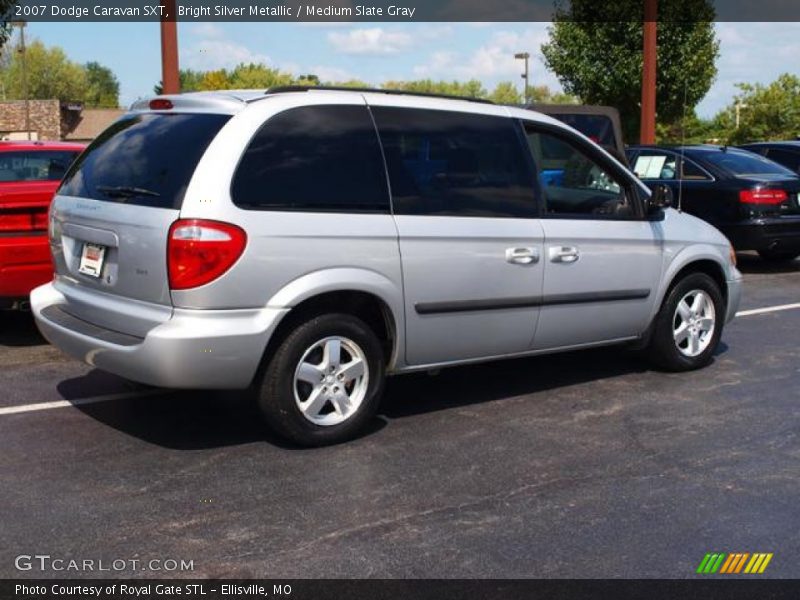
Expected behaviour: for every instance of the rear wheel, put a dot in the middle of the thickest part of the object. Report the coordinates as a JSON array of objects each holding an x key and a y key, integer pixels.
[
  {"x": 689, "y": 325},
  {"x": 778, "y": 256},
  {"x": 324, "y": 382}
]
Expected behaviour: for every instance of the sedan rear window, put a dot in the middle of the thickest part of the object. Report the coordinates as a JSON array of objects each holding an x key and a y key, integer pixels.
[
  {"x": 741, "y": 163},
  {"x": 35, "y": 165},
  {"x": 143, "y": 159}
]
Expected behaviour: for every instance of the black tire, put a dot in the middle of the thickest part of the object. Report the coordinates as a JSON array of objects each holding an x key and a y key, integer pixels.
[
  {"x": 778, "y": 256},
  {"x": 663, "y": 349},
  {"x": 276, "y": 389}
]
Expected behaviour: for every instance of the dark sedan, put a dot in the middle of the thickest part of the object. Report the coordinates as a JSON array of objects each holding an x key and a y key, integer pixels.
[
  {"x": 783, "y": 153},
  {"x": 752, "y": 200}
]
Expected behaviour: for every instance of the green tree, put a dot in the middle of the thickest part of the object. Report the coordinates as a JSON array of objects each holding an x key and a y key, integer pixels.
[
  {"x": 541, "y": 94},
  {"x": 190, "y": 81},
  {"x": 5, "y": 24},
  {"x": 766, "y": 112},
  {"x": 258, "y": 76},
  {"x": 506, "y": 93},
  {"x": 215, "y": 80},
  {"x": 50, "y": 74},
  {"x": 103, "y": 88},
  {"x": 596, "y": 52},
  {"x": 471, "y": 89}
]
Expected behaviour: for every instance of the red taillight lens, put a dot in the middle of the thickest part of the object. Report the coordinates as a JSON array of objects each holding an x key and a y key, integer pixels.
[
  {"x": 22, "y": 220},
  {"x": 161, "y": 104},
  {"x": 199, "y": 251},
  {"x": 763, "y": 196}
]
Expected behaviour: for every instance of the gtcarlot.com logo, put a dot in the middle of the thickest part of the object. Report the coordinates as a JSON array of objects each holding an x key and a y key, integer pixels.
[
  {"x": 734, "y": 564},
  {"x": 45, "y": 562}
]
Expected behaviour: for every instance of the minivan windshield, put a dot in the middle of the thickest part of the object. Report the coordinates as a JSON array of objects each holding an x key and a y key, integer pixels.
[{"x": 144, "y": 159}]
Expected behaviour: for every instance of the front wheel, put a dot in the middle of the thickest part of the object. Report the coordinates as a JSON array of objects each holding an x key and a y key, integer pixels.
[
  {"x": 689, "y": 325},
  {"x": 324, "y": 382}
]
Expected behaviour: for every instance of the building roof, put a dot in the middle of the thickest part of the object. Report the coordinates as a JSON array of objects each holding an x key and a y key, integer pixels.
[{"x": 92, "y": 122}]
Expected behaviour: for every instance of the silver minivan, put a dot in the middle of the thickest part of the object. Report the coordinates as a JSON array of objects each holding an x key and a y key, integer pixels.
[{"x": 306, "y": 243}]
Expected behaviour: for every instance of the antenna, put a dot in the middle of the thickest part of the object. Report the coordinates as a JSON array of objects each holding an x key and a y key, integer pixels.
[{"x": 683, "y": 145}]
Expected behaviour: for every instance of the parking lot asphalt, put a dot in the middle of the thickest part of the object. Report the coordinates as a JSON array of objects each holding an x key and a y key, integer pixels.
[{"x": 587, "y": 464}]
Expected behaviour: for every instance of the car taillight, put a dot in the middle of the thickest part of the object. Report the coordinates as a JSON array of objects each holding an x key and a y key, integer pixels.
[
  {"x": 763, "y": 196},
  {"x": 23, "y": 220},
  {"x": 200, "y": 251}
]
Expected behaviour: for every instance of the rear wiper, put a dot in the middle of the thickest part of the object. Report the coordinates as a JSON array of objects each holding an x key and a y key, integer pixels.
[{"x": 124, "y": 191}]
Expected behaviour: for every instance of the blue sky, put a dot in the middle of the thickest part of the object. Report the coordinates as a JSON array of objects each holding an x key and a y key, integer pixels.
[{"x": 752, "y": 52}]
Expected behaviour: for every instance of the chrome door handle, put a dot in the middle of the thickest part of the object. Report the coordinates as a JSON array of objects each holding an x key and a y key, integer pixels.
[
  {"x": 522, "y": 256},
  {"x": 564, "y": 254}
]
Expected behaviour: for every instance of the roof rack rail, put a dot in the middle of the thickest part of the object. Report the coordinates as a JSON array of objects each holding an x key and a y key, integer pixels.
[{"x": 340, "y": 88}]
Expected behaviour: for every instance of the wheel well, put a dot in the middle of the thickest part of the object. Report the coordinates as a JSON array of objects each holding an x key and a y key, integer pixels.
[
  {"x": 363, "y": 305},
  {"x": 710, "y": 268}
]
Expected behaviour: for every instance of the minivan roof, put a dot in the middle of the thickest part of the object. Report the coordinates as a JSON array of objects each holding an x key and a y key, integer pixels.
[{"x": 233, "y": 101}]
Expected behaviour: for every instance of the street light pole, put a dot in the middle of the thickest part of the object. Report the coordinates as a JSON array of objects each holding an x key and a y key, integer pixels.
[
  {"x": 170, "y": 72},
  {"x": 647, "y": 133},
  {"x": 524, "y": 56}
]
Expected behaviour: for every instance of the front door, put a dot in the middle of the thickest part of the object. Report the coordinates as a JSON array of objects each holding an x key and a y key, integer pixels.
[{"x": 602, "y": 259}]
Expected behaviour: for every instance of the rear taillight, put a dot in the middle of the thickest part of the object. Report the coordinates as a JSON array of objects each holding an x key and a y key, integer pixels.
[
  {"x": 23, "y": 220},
  {"x": 764, "y": 196},
  {"x": 199, "y": 251}
]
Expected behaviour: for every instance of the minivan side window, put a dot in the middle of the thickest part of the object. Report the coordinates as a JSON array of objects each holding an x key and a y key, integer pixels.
[
  {"x": 573, "y": 183},
  {"x": 444, "y": 163},
  {"x": 314, "y": 158}
]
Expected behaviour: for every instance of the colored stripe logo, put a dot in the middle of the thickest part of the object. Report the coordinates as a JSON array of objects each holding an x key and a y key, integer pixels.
[{"x": 734, "y": 563}]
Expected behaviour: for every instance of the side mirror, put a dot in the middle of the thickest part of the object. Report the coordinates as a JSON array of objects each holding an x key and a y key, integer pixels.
[{"x": 661, "y": 197}]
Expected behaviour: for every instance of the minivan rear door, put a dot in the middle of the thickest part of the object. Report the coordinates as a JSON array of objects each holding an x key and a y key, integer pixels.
[{"x": 109, "y": 222}]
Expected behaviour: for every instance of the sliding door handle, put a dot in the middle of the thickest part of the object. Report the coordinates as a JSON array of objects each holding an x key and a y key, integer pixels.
[
  {"x": 564, "y": 254},
  {"x": 522, "y": 256}
]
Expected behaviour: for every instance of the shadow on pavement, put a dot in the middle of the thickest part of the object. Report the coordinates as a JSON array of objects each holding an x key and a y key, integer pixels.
[
  {"x": 192, "y": 420},
  {"x": 752, "y": 263},
  {"x": 18, "y": 329}
]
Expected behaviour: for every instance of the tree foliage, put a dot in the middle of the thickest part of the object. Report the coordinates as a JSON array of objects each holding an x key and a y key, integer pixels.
[
  {"x": 50, "y": 74},
  {"x": 595, "y": 49},
  {"x": 103, "y": 88},
  {"x": 766, "y": 112},
  {"x": 6, "y": 7}
]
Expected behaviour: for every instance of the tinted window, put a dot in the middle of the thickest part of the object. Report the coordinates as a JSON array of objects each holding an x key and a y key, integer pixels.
[
  {"x": 143, "y": 159},
  {"x": 315, "y": 158},
  {"x": 44, "y": 165},
  {"x": 574, "y": 183},
  {"x": 789, "y": 159},
  {"x": 692, "y": 171},
  {"x": 448, "y": 163},
  {"x": 597, "y": 128},
  {"x": 742, "y": 163}
]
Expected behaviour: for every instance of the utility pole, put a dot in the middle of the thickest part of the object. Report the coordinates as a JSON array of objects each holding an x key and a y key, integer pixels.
[
  {"x": 524, "y": 56},
  {"x": 24, "y": 59},
  {"x": 170, "y": 73},
  {"x": 647, "y": 133}
]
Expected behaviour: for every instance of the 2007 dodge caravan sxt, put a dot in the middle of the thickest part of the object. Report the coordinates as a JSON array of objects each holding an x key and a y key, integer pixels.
[{"x": 308, "y": 242}]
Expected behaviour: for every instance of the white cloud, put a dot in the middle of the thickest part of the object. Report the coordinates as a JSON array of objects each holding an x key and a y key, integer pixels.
[
  {"x": 494, "y": 61},
  {"x": 207, "y": 30},
  {"x": 375, "y": 41},
  {"x": 209, "y": 55}
]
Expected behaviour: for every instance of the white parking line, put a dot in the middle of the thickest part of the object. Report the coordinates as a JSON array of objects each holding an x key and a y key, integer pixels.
[
  {"x": 13, "y": 410},
  {"x": 768, "y": 309}
]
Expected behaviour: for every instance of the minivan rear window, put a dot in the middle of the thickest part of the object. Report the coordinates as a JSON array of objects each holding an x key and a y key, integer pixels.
[{"x": 143, "y": 159}]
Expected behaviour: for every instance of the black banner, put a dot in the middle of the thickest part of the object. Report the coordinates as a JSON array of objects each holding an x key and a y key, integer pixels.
[
  {"x": 384, "y": 10},
  {"x": 413, "y": 589}
]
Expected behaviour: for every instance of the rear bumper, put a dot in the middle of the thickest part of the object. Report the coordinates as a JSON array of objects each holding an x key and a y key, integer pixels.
[
  {"x": 24, "y": 264},
  {"x": 776, "y": 234},
  {"x": 195, "y": 349}
]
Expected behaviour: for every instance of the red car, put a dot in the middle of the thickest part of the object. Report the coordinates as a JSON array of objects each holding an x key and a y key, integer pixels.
[{"x": 29, "y": 175}]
